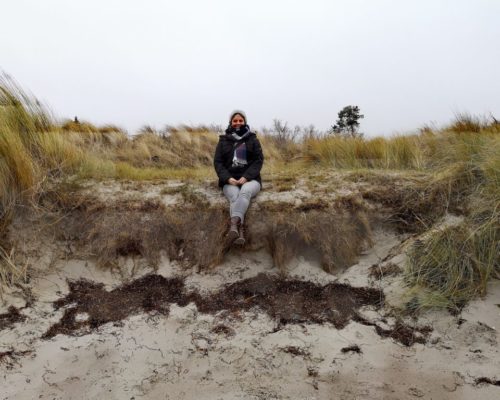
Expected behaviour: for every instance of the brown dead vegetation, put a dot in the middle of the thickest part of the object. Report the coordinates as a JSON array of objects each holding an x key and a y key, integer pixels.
[
  {"x": 416, "y": 206},
  {"x": 9, "y": 358},
  {"x": 145, "y": 230},
  {"x": 88, "y": 305},
  {"x": 351, "y": 349},
  {"x": 401, "y": 332},
  {"x": 333, "y": 234},
  {"x": 296, "y": 351},
  {"x": 484, "y": 380},
  {"x": 10, "y": 317},
  {"x": 336, "y": 237}
]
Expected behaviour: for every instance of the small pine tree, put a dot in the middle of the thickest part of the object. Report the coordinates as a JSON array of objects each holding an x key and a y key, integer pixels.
[{"x": 348, "y": 122}]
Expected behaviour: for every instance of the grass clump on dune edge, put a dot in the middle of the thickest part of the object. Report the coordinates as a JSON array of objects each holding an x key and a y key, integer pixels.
[{"x": 453, "y": 265}]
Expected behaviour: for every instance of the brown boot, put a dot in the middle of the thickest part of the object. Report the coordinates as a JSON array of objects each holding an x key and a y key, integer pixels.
[
  {"x": 241, "y": 237},
  {"x": 233, "y": 229}
]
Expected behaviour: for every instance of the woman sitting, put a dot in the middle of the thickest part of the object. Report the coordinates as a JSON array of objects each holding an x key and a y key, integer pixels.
[{"x": 238, "y": 160}]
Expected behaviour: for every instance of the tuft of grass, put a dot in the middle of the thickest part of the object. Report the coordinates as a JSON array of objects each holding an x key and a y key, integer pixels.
[
  {"x": 454, "y": 264},
  {"x": 10, "y": 273},
  {"x": 465, "y": 122},
  {"x": 87, "y": 127},
  {"x": 59, "y": 155},
  {"x": 19, "y": 170}
]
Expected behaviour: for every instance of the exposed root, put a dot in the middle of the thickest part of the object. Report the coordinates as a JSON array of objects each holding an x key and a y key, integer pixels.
[
  {"x": 145, "y": 230},
  {"x": 337, "y": 236},
  {"x": 195, "y": 236}
]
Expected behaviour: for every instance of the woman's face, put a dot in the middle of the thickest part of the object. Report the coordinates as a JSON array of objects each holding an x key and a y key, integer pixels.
[{"x": 238, "y": 121}]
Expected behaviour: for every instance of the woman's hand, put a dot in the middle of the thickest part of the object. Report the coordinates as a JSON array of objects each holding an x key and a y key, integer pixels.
[
  {"x": 242, "y": 181},
  {"x": 233, "y": 182}
]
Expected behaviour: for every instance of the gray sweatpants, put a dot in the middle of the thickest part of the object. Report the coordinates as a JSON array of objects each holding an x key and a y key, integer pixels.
[{"x": 239, "y": 197}]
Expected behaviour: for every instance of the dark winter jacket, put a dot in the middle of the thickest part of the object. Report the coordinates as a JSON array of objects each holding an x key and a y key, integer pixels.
[{"x": 223, "y": 159}]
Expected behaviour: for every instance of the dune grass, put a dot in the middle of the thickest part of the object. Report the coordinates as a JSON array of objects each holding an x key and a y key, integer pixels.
[
  {"x": 401, "y": 152},
  {"x": 454, "y": 264}
]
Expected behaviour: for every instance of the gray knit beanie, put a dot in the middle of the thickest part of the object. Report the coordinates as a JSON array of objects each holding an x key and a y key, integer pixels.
[{"x": 237, "y": 112}]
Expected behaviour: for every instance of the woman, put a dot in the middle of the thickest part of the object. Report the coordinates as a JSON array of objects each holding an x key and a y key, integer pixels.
[{"x": 238, "y": 161}]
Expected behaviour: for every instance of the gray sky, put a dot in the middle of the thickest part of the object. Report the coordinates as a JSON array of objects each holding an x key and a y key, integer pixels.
[{"x": 404, "y": 62}]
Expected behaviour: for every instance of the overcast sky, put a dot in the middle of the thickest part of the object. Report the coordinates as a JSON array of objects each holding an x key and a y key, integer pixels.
[{"x": 405, "y": 63}]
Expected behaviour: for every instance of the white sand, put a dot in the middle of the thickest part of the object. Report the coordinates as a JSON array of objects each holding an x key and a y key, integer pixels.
[{"x": 180, "y": 357}]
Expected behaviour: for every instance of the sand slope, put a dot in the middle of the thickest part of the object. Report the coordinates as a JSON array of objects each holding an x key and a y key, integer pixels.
[{"x": 246, "y": 355}]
